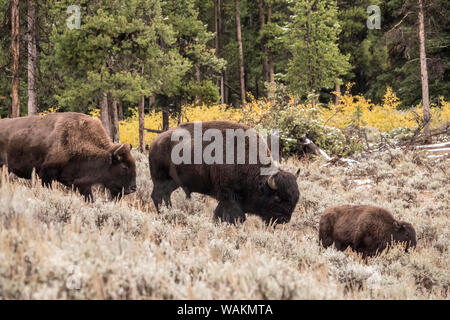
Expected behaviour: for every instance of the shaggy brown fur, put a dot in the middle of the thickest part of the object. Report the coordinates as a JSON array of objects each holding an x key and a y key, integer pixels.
[
  {"x": 239, "y": 188},
  {"x": 366, "y": 229},
  {"x": 71, "y": 148}
]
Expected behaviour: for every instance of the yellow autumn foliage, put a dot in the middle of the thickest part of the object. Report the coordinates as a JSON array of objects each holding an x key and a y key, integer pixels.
[
  {"x": 49, "y": 110},
  {"x": 129, "y": 128},
  {"x": 352, "y": 109},
  {"x": 384, "y": 117}
]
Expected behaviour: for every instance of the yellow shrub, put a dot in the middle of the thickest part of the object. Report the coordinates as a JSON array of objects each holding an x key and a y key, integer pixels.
[
  {"x": 351, "y": 109},
  {"x": 49, "y": 110},
  {"x": 385, "y": 117},
  {"x": 129, "y": 128}
]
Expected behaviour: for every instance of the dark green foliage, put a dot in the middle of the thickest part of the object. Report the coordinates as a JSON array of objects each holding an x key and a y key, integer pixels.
[{"x": 154, "y": 47}]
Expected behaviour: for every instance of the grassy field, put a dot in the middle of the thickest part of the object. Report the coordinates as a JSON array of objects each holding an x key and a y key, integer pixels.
[{"x": 53, "y": 245}]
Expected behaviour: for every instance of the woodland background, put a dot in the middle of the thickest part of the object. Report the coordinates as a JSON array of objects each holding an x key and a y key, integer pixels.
[{"x": 150, "y": 63}]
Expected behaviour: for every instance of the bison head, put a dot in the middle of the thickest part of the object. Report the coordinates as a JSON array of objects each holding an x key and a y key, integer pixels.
[
  {"x": 276, "y": 197},
  {"x": 122, "y": 171},
  {"x": 404, "y": 232}
]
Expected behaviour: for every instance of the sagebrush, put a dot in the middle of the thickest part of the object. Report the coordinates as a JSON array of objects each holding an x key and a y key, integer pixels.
[{"x": 54, "y": 245}]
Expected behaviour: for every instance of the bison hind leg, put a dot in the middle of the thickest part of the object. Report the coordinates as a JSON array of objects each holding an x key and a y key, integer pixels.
[
  {"x": 229, "y": 211},
  {"x": 157, "y": 198}
]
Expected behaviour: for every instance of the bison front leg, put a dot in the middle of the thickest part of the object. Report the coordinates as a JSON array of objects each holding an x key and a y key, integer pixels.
[
  {"x": 86, "y": 192},
  {"x": 84, "y": 188},
  {"x": 229, "y": 211},
  {"x": 48, "y": 174}
]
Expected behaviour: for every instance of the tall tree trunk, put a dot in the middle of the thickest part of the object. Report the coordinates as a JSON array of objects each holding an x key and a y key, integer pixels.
[
  {"x": 222, "y": 31},
  {"x": 271, "y": 65},
  {"x": 264, "y": 63},
  {"x": 220, "y": 44},
  {"x": 32, "y": 55},
  {"x": 141, "y": 125},
  {"x": 241, "y": 53},
  {"x": 197, "y": 78},
  {"x": 14, "y": 111},
  {"x": 271, "y": 69},
  {"x": 165, "y": 119},
  {"x": 216, "y": 25},
  {"x": 337, "y": 88},
  {"x": 104, "y": 113},
  {"x": 151, "y": 101},
  {"x": 218, "y": 30},
  {"x": 120, "y": 109},
  {"x": 114, "y": 118},
  {"x": 424, "y": 75}
]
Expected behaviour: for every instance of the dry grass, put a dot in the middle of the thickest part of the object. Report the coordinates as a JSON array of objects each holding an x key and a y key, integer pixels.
[{"x": 52, "y": 242}]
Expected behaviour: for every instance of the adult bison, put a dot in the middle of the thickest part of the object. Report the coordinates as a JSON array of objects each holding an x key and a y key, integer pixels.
[
  {"x": 238, "y": 185},
  {"x": 71, "y": 148},
  {"x": 366, "y": 229}
]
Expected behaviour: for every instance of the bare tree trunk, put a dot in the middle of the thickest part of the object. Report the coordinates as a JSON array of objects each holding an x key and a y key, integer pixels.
[
  {"x": 264, "y": 63},
  {"x": 151, "y": 101},
  {"x": 216, "y": 25},
  {"x": 220, "y": 46},
  {"x": 271, "y": 69},
  {"x": 271, "y": 66},
  {"x": 32, "y": 55},
  {"x": 104, "y": 113},
  {"x": 222, "y": 30},
  {"x": 165, "y": 120},
  {"x": 337, "y": 88},
  {"x": 424, "y": 75},
  {"x": 217, "y": 29},
  {"x": 241, "y": 53},
  {"x": 14, "y": 112},
  {"x": 197, "y": 78},
  {"x": 141, "y": 125},
  {"x": 114, "y": 116},
  {"x": 120, "y": 109}
]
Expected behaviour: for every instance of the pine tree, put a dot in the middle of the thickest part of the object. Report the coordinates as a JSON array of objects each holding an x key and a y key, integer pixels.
[
  {"x": 316, "y": 61},
  {"x": 101, "y": 63}
]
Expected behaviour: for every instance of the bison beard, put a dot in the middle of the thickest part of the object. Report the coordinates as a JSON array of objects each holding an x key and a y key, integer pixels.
[
  {"x": 239, "y": 188},
  {"x": 71, "y": 148}
]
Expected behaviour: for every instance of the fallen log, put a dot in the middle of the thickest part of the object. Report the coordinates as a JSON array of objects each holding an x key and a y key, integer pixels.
[
  {"x": 314, "y": 149},
  {"x": 416, "y": 139},
  {"x": 153, "y": 130},
  {"x": 433, "y": 146}
]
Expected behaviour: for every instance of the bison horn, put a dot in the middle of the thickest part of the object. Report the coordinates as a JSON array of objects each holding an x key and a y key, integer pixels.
[
  {"x": 117, "y": 150},
  {"x": 271, "y": 182}
]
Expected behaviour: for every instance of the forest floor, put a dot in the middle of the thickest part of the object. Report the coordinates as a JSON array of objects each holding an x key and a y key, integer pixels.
[{"x": 53, "y": 245}]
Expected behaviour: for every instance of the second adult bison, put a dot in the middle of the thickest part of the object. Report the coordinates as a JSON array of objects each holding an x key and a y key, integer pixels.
[
  {"x": 239, "y": 188},
  {"x": 366, "y": 229},
  {"x": 71, "y": 148}
]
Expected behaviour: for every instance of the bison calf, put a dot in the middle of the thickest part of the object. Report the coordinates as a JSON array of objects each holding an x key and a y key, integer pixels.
[{"x": 366, "y": 229}]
